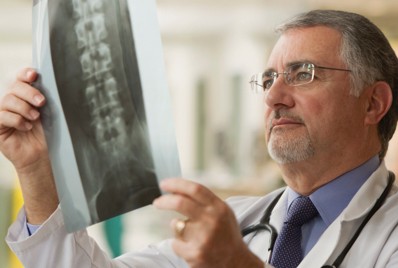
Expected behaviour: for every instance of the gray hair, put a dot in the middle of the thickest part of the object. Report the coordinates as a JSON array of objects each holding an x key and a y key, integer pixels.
[{"x": 366, "y": 52}]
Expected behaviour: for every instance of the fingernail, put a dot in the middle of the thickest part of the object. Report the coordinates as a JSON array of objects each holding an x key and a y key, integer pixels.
[
  {"x": 28, "y": 126},
  {"x": 38, "y": 99},
  {"x": 34, "y": 114},
  {"x": 29, "y": 74}
]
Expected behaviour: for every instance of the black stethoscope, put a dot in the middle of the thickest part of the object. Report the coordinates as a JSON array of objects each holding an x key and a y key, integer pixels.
[{"x": 264, "y": 224}]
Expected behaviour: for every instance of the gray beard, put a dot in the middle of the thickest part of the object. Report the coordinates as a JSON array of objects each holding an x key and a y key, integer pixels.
[{"x": 287, "y": 151}]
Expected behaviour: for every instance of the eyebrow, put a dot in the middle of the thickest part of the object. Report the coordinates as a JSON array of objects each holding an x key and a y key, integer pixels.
[
  {"x": 269, "y": 70},
  {"x": 289, "y": 64}
]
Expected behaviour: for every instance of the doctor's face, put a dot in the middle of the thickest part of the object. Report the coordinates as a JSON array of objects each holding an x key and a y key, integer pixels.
[{"x": 316, "y": 120}]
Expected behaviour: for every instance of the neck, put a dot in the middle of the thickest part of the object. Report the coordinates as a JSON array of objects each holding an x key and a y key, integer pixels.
[{"x": 307, "y": 176}]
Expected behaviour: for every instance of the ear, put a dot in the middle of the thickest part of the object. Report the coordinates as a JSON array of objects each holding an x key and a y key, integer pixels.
[{"x": 379, "y": 102}]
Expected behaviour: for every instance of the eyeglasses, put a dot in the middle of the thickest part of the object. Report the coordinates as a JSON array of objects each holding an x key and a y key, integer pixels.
[{"x": 296, "y": 74}]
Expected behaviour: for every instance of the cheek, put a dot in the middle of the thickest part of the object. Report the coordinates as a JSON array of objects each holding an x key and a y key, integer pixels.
[
  {"x": 316, "y": 114},
  {"x": 329, "y": 121},
  {"x": 268, "y": 115}
]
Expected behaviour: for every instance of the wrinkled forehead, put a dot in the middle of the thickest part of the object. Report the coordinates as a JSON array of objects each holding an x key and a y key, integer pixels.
[{"x": 320, "y": 45}]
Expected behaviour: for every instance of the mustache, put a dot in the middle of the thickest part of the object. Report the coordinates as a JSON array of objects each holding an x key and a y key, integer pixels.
[{"x": 278, "y": 114}]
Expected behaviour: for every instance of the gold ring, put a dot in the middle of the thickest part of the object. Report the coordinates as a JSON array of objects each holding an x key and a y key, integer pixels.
[{"x": 179, "y": 227}]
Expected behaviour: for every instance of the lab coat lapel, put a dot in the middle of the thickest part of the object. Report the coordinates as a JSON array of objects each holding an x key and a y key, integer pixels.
[
  {"x": 338, "y": 234},
  {"x": 278, "y": 213}
]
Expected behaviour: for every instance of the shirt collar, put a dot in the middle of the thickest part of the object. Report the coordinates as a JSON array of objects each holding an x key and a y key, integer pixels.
[{"x": 331, "y": 199}]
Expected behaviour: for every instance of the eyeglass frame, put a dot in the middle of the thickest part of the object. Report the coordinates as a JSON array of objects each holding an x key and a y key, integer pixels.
[{"x": 274, "y": 75}]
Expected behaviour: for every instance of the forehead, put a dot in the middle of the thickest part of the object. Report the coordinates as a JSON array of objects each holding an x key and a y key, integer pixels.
[{"x": 320, "y": 45}]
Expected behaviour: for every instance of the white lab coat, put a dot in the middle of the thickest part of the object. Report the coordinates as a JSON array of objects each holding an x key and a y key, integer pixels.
[{"x": 377, "y": 246}]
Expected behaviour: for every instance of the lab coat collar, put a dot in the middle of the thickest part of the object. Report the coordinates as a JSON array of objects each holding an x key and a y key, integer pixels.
[{"x": 329, "y": 244}]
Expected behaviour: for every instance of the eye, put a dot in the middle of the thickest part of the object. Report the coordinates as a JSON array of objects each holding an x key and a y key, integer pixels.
[
  {"x": 303, "y": 76},
  {"x": 267, "y": 83},
  {"x": 268, "y": 79},
  {"x": 300, "y": 74}
]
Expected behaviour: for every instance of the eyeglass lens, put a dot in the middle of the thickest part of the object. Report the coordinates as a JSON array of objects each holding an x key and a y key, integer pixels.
[{"x": 295, "y": 75}]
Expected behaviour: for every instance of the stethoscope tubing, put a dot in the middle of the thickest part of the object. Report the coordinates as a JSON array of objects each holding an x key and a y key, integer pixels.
[{"x": 265, "y": 225}]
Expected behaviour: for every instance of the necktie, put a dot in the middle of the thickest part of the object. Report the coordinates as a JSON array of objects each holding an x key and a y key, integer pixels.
[{"x": 287, "y": 252}]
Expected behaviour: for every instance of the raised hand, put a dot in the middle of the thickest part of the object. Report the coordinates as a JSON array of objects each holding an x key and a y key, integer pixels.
[
  {"x": 22, "y": 141},
  {"x": 210, "y": 236}
]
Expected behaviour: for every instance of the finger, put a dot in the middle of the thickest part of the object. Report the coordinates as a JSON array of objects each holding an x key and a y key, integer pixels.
[
  {"x": 197, "y": 192},
  {"x": 186, "y": 250},
  {"x": 180, "y": 203},
  {"x": 27, "y": 93},
  {"x": 27, "y": 75},
  {"x": 13, "y": 104},
  {"x": 190, "y": 231},
  {"x": 11, "y": 120},
  {"x": 23, "y": 89},
  {"x": 179, "y": 227},
  {"x": 187, "y": 244}
]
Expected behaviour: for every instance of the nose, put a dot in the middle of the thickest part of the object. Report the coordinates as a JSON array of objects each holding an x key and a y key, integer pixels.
[{"x": 279, "y": 95}]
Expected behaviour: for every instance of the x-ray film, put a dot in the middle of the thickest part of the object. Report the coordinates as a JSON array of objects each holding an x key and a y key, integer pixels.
[{"x": 108, "y": 120}]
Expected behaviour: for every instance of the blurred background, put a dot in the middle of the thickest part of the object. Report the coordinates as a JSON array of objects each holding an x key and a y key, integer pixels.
[{"x": 211, "y": 48}]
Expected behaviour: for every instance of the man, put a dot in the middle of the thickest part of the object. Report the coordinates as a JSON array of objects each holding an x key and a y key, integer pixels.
[{"x": 330, "y": 90}]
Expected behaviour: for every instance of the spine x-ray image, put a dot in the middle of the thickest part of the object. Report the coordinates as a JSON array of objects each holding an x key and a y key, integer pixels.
[{"x": 102, "y": 106}]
